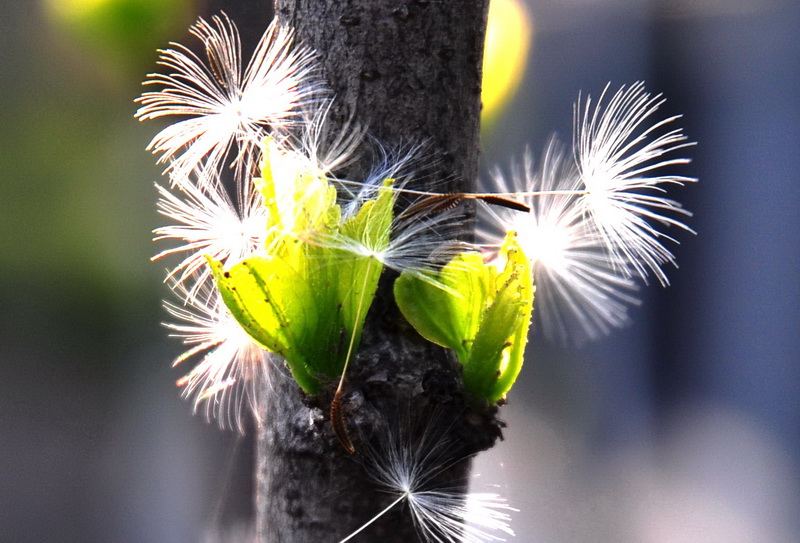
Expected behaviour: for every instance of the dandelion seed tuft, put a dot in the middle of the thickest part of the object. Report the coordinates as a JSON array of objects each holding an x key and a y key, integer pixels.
[
  {"x": 225, "y": 105},
  {"x": 233, "y": 368},
  {"x": 598, "y": 217},
  {"x": 327, "y": 145},
  {"x": 408, "y": 467},
  {"x": 621, "y": 162},
  {"x": 420, "y": 247},
  {"x": 580, "y": 290},
  {"x": 207, "y": 224}
]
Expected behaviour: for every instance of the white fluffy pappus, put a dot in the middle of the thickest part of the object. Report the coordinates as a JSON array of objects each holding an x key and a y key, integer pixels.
[
  {"x": 419, "y": 246},
  {"x": 577, "y": 280},
  {"x": 224, "y": 105},
  {"x": 621, "y": 161},
  {"x": 207, "y": 223},
  {"x": 407, "y": 467},
  {"x": 597, "y": 216},
  {"x": 233, "y": 369},
  {"x": 326, "y": 144}
]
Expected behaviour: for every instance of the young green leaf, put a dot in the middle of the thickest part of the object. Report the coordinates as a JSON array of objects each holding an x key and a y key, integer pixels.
[
  {"x": 307, "y": 302},
  {"x": 483, "y": 314},
  {"x": 447, "y": 314},
  {"x": 359, "y": 272},
  {"x": 285, "y": 309},
  {"x": 298, "y": 199},
  {"x": 507, "y": 316}
]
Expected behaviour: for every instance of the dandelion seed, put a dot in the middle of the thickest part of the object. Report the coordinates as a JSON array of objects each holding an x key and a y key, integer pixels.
[
  {"x": 419, "y": 243},
  {"x": 577, "y": 280},
  {"x": 327, "y": 146},
  {"x": 438, "y": 203},
  {"x": 408, "y": 469},
  {"x": 401, "y": 164},
  {"x": 420, "y": 246},
  {"x": 225, "y": 106},
  {"x": 233, "y": 369},
  {"x": 207, "y": 224},
  {"x": 619, "y": 160},
  {"x": 446, "y": 516}
]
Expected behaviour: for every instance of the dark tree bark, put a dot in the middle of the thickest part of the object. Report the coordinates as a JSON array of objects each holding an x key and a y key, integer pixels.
[{"x": 410, "y": 71}]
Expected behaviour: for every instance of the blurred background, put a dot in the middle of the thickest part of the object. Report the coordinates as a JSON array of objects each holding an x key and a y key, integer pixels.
[{"x": 683, "y": 427}]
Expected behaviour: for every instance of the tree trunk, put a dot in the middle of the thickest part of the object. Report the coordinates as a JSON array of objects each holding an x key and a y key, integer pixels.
[{"x": 410, "y": 71}]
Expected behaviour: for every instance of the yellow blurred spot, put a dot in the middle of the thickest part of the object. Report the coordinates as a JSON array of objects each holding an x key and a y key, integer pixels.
[
  {"x": 508, "y": 42},
  {"x": 117, "y": 38},
  {"x": 74, "y": 9}
]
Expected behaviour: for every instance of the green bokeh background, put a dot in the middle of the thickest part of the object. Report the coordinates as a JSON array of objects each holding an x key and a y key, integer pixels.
[{"x": 89, "y": 451}]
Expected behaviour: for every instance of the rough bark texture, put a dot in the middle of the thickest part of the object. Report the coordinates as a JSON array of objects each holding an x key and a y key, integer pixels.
[{"x": 410, "y": 71}]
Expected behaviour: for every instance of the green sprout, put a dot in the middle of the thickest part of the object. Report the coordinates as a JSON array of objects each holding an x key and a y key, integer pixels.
[
  {"x": 306, "y": 302},
  {"x": 482, "y": 314}
]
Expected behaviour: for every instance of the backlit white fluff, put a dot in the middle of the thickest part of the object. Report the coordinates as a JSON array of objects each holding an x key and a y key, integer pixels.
[
  {"x": 224, "y": 105},
  {"x": 232, "y": 370},
  {"x": 580, "y": 291},
  {"x": 207, "y": 224},
  {"x": 623, "y": 165},
  {"x": 407, "y": 468}
]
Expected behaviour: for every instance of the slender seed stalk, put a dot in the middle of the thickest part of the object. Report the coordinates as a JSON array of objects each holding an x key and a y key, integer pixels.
[
  {"x": 376, "y": 517},
  {"x": 493, "y": 197},
  {"x": 337, "y": 417}
]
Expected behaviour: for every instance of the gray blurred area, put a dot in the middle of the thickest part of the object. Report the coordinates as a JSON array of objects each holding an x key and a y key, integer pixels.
[
  {"x": 95, "y": 442},
  {"x": 683, "y": 427}
]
